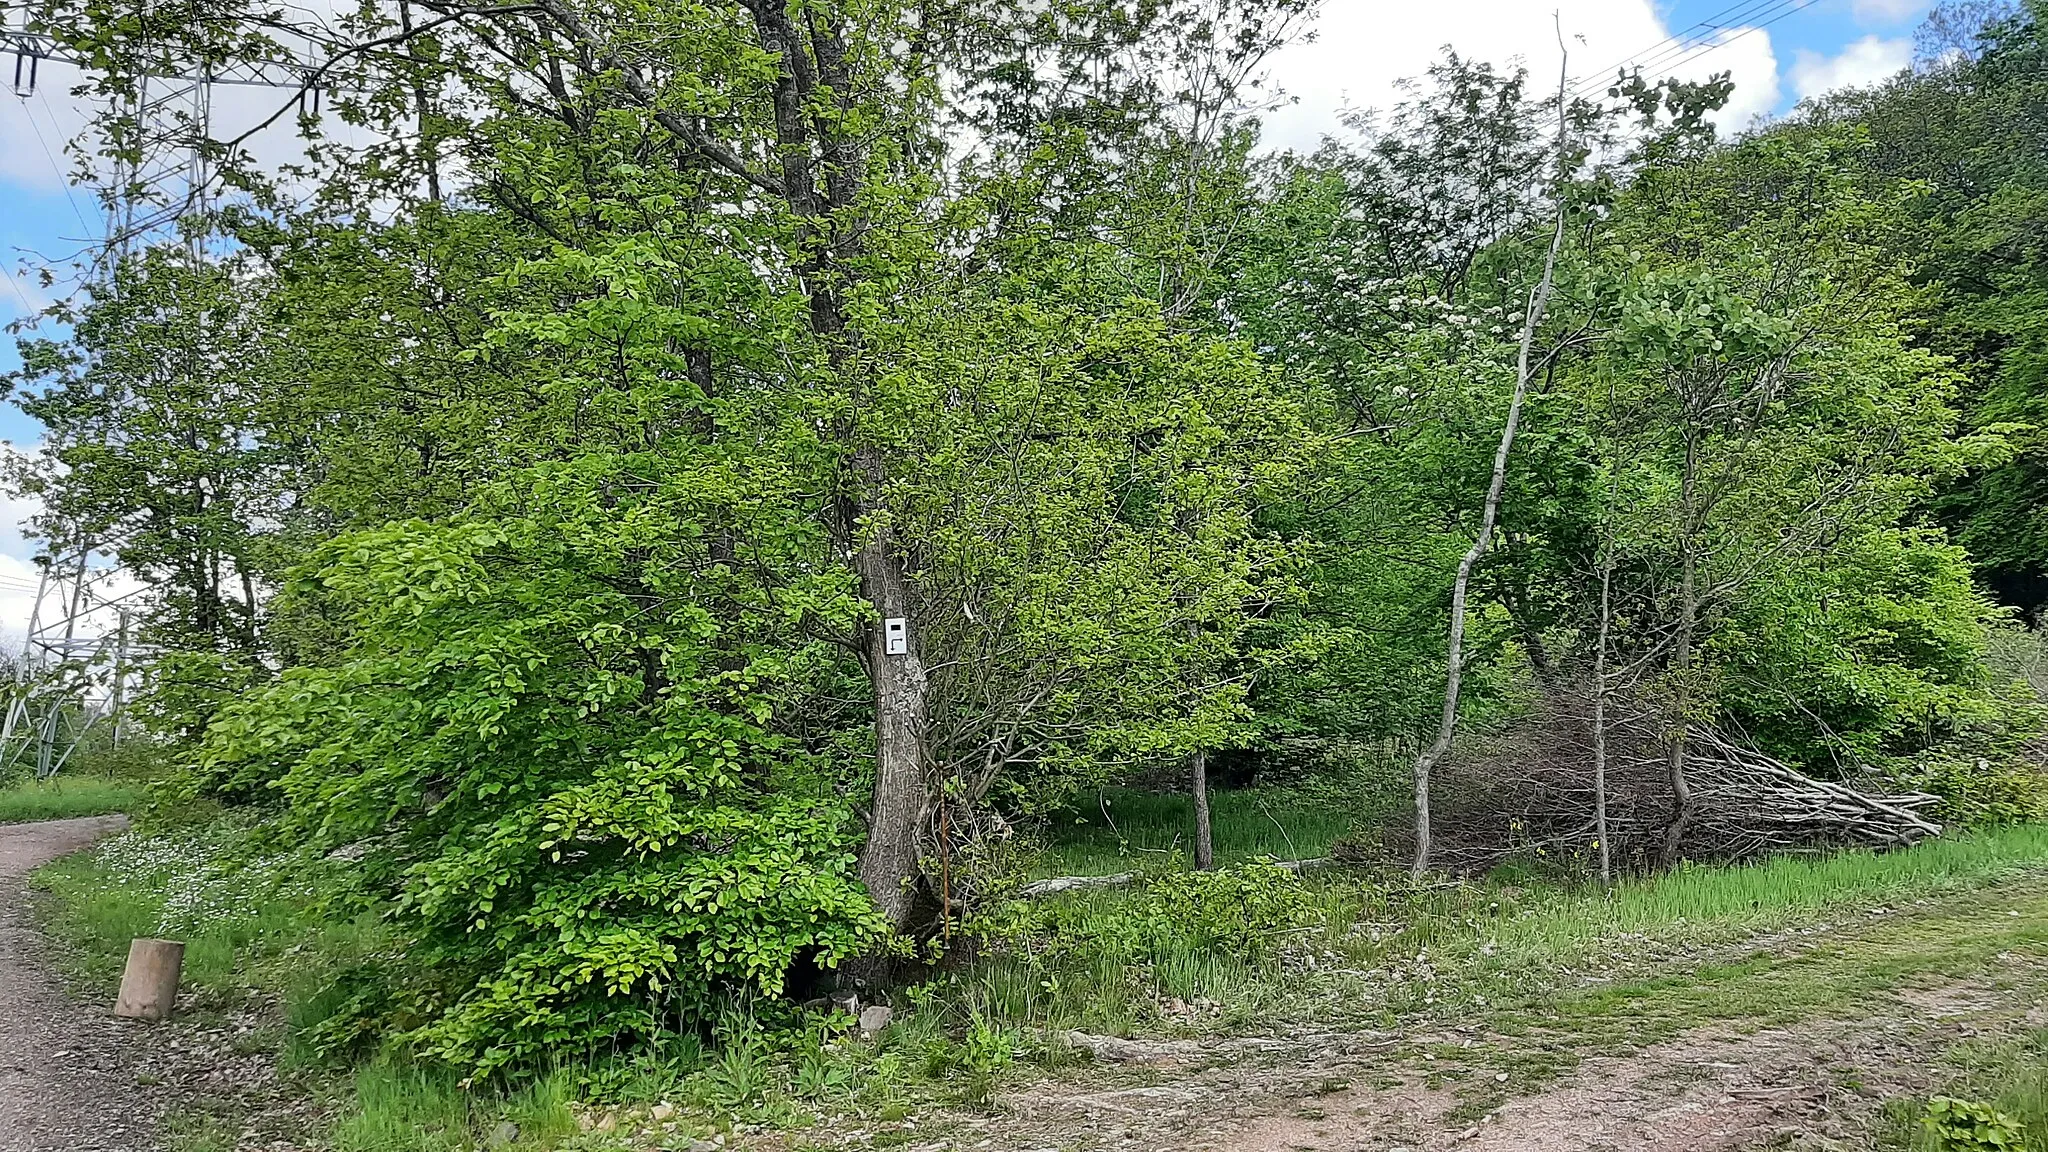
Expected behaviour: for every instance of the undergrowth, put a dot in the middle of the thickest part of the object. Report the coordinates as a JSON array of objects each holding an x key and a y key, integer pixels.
[
  {"x": 1121, "y": 828},
  {"x": 1367, "y": 950}
]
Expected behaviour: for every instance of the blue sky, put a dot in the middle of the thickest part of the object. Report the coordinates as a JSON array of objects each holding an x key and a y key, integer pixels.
[{"x": 1362, "y": 46}]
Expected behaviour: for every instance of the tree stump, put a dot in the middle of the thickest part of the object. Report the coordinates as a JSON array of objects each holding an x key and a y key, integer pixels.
[{"x": 150, "y": 985}]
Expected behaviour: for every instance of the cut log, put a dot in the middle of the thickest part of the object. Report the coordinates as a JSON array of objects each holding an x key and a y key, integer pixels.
[
  {"x": 1060, "y": 885},
  {"x": 149, "y": 987},
  {"x": 1039, "y": 889}
]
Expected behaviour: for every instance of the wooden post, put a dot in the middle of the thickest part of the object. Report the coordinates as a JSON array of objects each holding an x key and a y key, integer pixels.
[{"x": 150, "y": 985}]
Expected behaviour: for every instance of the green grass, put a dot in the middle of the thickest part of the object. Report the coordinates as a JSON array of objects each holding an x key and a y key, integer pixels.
[
  {"x": 62, "y": 797},
  {"x": 1123, "y": 829},
  {"x": 241, "y": 927},
  {"x": 1708, "y": 902},
  {"x": 394, "y": 1106},
  {"x": 1385, "y": 952},
  {"x": 255, "y": 929},
  {"x": 1843, "y": 974}
]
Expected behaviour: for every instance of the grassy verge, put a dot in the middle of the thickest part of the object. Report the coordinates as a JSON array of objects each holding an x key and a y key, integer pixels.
[
  {"x": 1575, "y": 970},
  {"x": 62, "y": 797},
  {"x": 1371, "y": 951},
  {"x": 1998, "y": 934}
]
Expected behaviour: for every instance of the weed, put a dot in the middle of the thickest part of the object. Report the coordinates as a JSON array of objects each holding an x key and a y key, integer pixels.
[
  {"x": 2003, "y": 1077},
  {"x": 1953, "y": 1125}
]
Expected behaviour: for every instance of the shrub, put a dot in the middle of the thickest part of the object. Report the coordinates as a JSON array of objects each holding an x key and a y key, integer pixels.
[
  {"x": 1242, "y": 911},
  {"x": 1963, "y": 1125},
  {"x": 1981, "y": 791},
  {"x": 556, "y": 775}
]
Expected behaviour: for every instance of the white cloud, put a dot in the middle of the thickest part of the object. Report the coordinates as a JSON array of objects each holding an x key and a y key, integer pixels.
[
  {"x": 1861, "y": 64},
  {"x": 1888, "y": 11},
  {"x": 14, "y": 514},
  {"x": 1363, "y": 47}
]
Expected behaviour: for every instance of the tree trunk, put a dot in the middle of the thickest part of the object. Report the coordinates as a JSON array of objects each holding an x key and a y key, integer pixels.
[
  {"x": 1205, "y": 848},
  {"x": 1681, "y": 704},
  {"x": 1532, "y": 319},
  {"x": 889, "y": 860},
  {"x": 1681, "y": 666},
  {"x": 1600, "y": 723}
]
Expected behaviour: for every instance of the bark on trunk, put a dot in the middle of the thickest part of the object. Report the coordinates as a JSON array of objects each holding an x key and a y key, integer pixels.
[
  {"x": 1681, "y": 704},
  {"x": 1205, "y": 849},
  {"x": 1532, "y": 319},
  {"x": 889, "y": 860}
]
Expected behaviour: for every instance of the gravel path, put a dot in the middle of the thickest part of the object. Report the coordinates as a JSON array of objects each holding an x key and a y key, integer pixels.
[{"x": 67, "y": 1081}]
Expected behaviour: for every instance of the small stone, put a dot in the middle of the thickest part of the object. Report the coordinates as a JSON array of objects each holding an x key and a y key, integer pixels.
[
  {"x": 662, "y": 1111},
  {"x": 875, "y": 1019},
  {"x": 700, "y": 1146},
  {"x": 504, "y": 1133}
]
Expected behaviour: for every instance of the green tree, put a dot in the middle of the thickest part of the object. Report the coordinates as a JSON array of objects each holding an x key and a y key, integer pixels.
[{"x": 154, "y": 452}]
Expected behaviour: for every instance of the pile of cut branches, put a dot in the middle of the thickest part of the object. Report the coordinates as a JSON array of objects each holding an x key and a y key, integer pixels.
[{"x": 1528, "y": 793}]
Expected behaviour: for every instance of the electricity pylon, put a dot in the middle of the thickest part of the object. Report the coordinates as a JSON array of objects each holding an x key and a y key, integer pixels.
[{"x": 75, "y": 659}]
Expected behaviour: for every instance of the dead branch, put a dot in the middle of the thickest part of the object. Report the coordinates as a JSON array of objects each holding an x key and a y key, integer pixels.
[{"x": 1060, "y": 885}]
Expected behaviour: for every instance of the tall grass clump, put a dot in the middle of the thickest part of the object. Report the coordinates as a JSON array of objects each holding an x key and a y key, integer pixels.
[{"x": 1784, "y": 889}]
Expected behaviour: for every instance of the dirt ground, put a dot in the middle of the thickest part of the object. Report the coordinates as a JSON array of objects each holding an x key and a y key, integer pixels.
[
  {"x": 68, "y": 1076},
  {"x": 1739, "y": 1084},
  {"x": 1813, "y": 1085}
]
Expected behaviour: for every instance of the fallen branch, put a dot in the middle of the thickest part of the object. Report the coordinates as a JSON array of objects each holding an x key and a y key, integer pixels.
[
  {"x": 1122, "y": 1050},
  {"x": 1060, "y": 885}
]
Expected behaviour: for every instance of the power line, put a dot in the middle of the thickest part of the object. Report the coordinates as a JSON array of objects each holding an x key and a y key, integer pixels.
[
  {"x": 27, "y": 308},
  {"x": 64, "y": 182},
  {"x": 1799, "y": 6},
  {"x": 1701, "y": 32},
  {"x": 1686, "y": 35},
  {"x": 1667, "y": 58},
  {"x": 1699, "y": 39}
]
